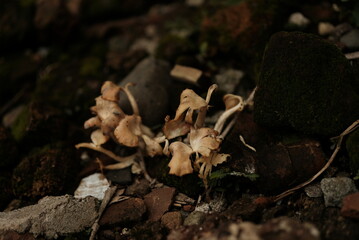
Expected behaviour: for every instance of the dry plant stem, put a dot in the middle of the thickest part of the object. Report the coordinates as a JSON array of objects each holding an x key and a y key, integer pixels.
[
  {"x": 351, "y": 128},
  {"x": 106, "y": 200},
  {"x": 104, "y": 151},
  {"x": 131, "y": 99},
  {"x": 222, "y": 119}
]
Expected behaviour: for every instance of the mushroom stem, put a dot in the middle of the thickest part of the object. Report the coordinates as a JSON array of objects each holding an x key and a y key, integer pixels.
[
  {"x": 228, "y": 128},
  {"x": 222, "y": 119},
  {"x": 131, "y": 98},
  {"x": 203, "y": 111},
  {"x": 104, "y": 151},
  {"x": 249, "y": 100}
]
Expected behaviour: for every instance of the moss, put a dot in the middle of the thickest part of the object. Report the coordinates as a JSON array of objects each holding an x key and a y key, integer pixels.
[
  {"x": 305, "y": 84},
  {"x": 90, "y": 67},
  {"x": 18, "y": 129},
  {"x": 352, "y": 146},
  {"x": 49, "y": 170},
  {"x": 188, "y": 184}
]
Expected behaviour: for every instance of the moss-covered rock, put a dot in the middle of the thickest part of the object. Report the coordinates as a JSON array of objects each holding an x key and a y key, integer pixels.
[
  {"x": 352, "y": 146},
  {"x": 305, "y": 84},
  {"x": 8, "y": 149},
  {"x": 49, "y": 170}
]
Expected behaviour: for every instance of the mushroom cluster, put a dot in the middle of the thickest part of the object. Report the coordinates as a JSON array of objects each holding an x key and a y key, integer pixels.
[{"x": 191, "y": 145}]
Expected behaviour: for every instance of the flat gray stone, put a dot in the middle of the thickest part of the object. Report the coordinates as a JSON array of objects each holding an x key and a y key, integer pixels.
[
  {"x": 52, "y": 216},
  {"x": 152, "y": 80},
  {"x": 335, "y": 189}
]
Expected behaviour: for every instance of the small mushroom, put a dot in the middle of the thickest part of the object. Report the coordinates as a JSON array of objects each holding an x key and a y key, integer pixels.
[
  {"x": 110, "y": 91},
  {"x": 153, "y": 148},
  {"x": 233, "y": 104},
  {"x": 98, "y": 138},
  {"x": 92, "y": 122},
  {"x": 204, "y": 141},
  {"x": 128, "y": 130},
  {"x": 203, "y": 110},
  {"x": 176, "y": 127},
  {"x": 180, "y": 163}
]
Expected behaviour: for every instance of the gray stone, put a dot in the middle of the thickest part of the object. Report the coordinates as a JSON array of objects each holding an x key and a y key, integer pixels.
[
  {"x": 228, "y": 79},
  {"x": 152, "y": 80},
  {"x": 351, "y": 39},
  {"x": 52, "y": 216},
  {"x": 194, "y": 218},
  {"x": 335, "y": 189},
  {"x": 313, "y": 190}
]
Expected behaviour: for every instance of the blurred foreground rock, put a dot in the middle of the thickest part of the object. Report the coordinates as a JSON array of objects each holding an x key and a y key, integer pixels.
[{"x": 51, "y": 217}]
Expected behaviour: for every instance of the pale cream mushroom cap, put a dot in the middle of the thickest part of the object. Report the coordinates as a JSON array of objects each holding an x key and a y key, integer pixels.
[
  {"x": 98, "y": 138},
  {"x": 180, "y": 163},
  {"x": 92, "y": 122},
  {"x": 110, "y": 91},
  {"x": 204, "y": 140},
  {"x": 153, "y": 148},
  {"x": 128, "y": 130}
]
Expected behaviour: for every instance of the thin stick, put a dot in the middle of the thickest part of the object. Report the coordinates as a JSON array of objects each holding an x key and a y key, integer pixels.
[
  {"x": 351, "y": 128},
  {"x": 104, "y": 151}
]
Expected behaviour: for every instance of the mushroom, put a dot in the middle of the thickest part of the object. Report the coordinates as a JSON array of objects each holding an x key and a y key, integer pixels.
[
  {"x": 180, "y": 163},
  {"x": 153, "y": 148},
  {"x": 128, "y": 130},
  {"x": 92, "y": 122},
  {"x": 98, "y": 138},
  {"x": 204, "y": 141},
  {"x": 110, "y": 91},
  {"x": 203, "y": 110},
  {"x": 233, "y": 104}
]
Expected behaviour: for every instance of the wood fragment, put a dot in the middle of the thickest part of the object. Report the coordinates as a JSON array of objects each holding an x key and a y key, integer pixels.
[{"x": 187, "y": 74}]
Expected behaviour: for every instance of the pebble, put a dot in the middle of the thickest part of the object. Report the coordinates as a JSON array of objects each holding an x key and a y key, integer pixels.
[
  {"x": 194, "y": 218},
  {"x": 298, "y": 19},
  {"x": 158, "y": 202},
  {"x": 228, "y": 79},
  {"x": 94, "y": 185},
  {"x": 350, "y": 207},
  {"x": 138, "y": 188},
  {"x": 351, "y": 39},
  {"x": 172, "y": 220},
  {"x": 325, "y": 28},
  {"x": 124, "y": 213},
  {"x": 335, "y": 189},
  {"x": 313, "y": 191}
]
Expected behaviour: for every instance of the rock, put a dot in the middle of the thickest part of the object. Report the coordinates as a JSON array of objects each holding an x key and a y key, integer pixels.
[
  {"x": 285, "y": 228},
  {"x": 351, "y": 39},
  {"x": 52, "y": 217},
  {"x": 298, "y": 19},
  {"x": 172, "y": 220},
  {"x": 313, "y": 190},
  {"x": 152, "y": 81},
  {"x": 138, "y": 188},
  {"x": 244, "y": 208},
  {"x": 227, "y": 80},
  {"x": 194, "y": 218},
  {"x": 335, "y": 189},
  {"x": 120, "y": 176},
  {"x": 8, "y": 149},
  {"x": 188, "y": 208},
  {"x": 94, "y": 185},
  {"x": 12, "y": 235},
  {"x": 301, "y": 75},
  {"x": 352, "y": 146},
  {"x": 124, "y": 213},
  {"x": 325, "y": 28},
  {"x": 350, "y": 207},
  {"x": 158, "y": 202},
  {"x": 49, "y": 170},
  {"x": 282, "y": 159}
]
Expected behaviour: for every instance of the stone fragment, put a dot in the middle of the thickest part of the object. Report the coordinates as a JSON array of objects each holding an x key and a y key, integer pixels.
[
  {"x": 301, "y": 74},
  {"x": 351, "y": 206},
  {"x": 228, "y": 79},
  {"x": 12, "y": 235},
  {"x": 124, "y": 213},
  {"x": 138, "y": 188},
  {"x": 52, "y": 217},
  {"x": 335, "y": 189},
  {"x": 325, "y": 28},
  {"x": 298, "y": 19},
  {"x": 152, "y": 81},
  {"x": 313, "y": 191},
  {"x": 188, "y": 208},
  {"x": 351, "y": 39},
  {"x": 172, "y": 220},
  {"x": 194, "y": 218},
  {"x": 158, "y": 202},
  {"x": 94, "y": 185},
  {"x": 120, "y": 176}
]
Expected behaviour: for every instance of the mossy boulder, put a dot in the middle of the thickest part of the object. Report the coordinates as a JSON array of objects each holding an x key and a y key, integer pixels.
[
  {"x": 49, "y": 170},
  {"x": 352, "y": 146},
  {"x": 305, "y": 84}
]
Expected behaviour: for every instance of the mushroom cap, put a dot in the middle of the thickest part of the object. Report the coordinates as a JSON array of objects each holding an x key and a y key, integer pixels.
[
  {"x": 110, "y": 91},
  {"x": 153, "y": 148},
  {"x": 98, "y": 138},
  {"x": 180, "y": 163},
  {"x": 128, "y": 130},
  {"x": 92, "y": 122},
  {"x": 189, "y": 99},
  {"x": 231, "y": 100},
  {"x": 204, "y": 140},
  {"x": 175, "y": 128}
]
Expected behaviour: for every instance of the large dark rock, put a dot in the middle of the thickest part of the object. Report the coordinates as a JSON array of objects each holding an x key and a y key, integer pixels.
[
  {"x": 305, "y": 84},
  {"x": 152, "y": 81}
]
